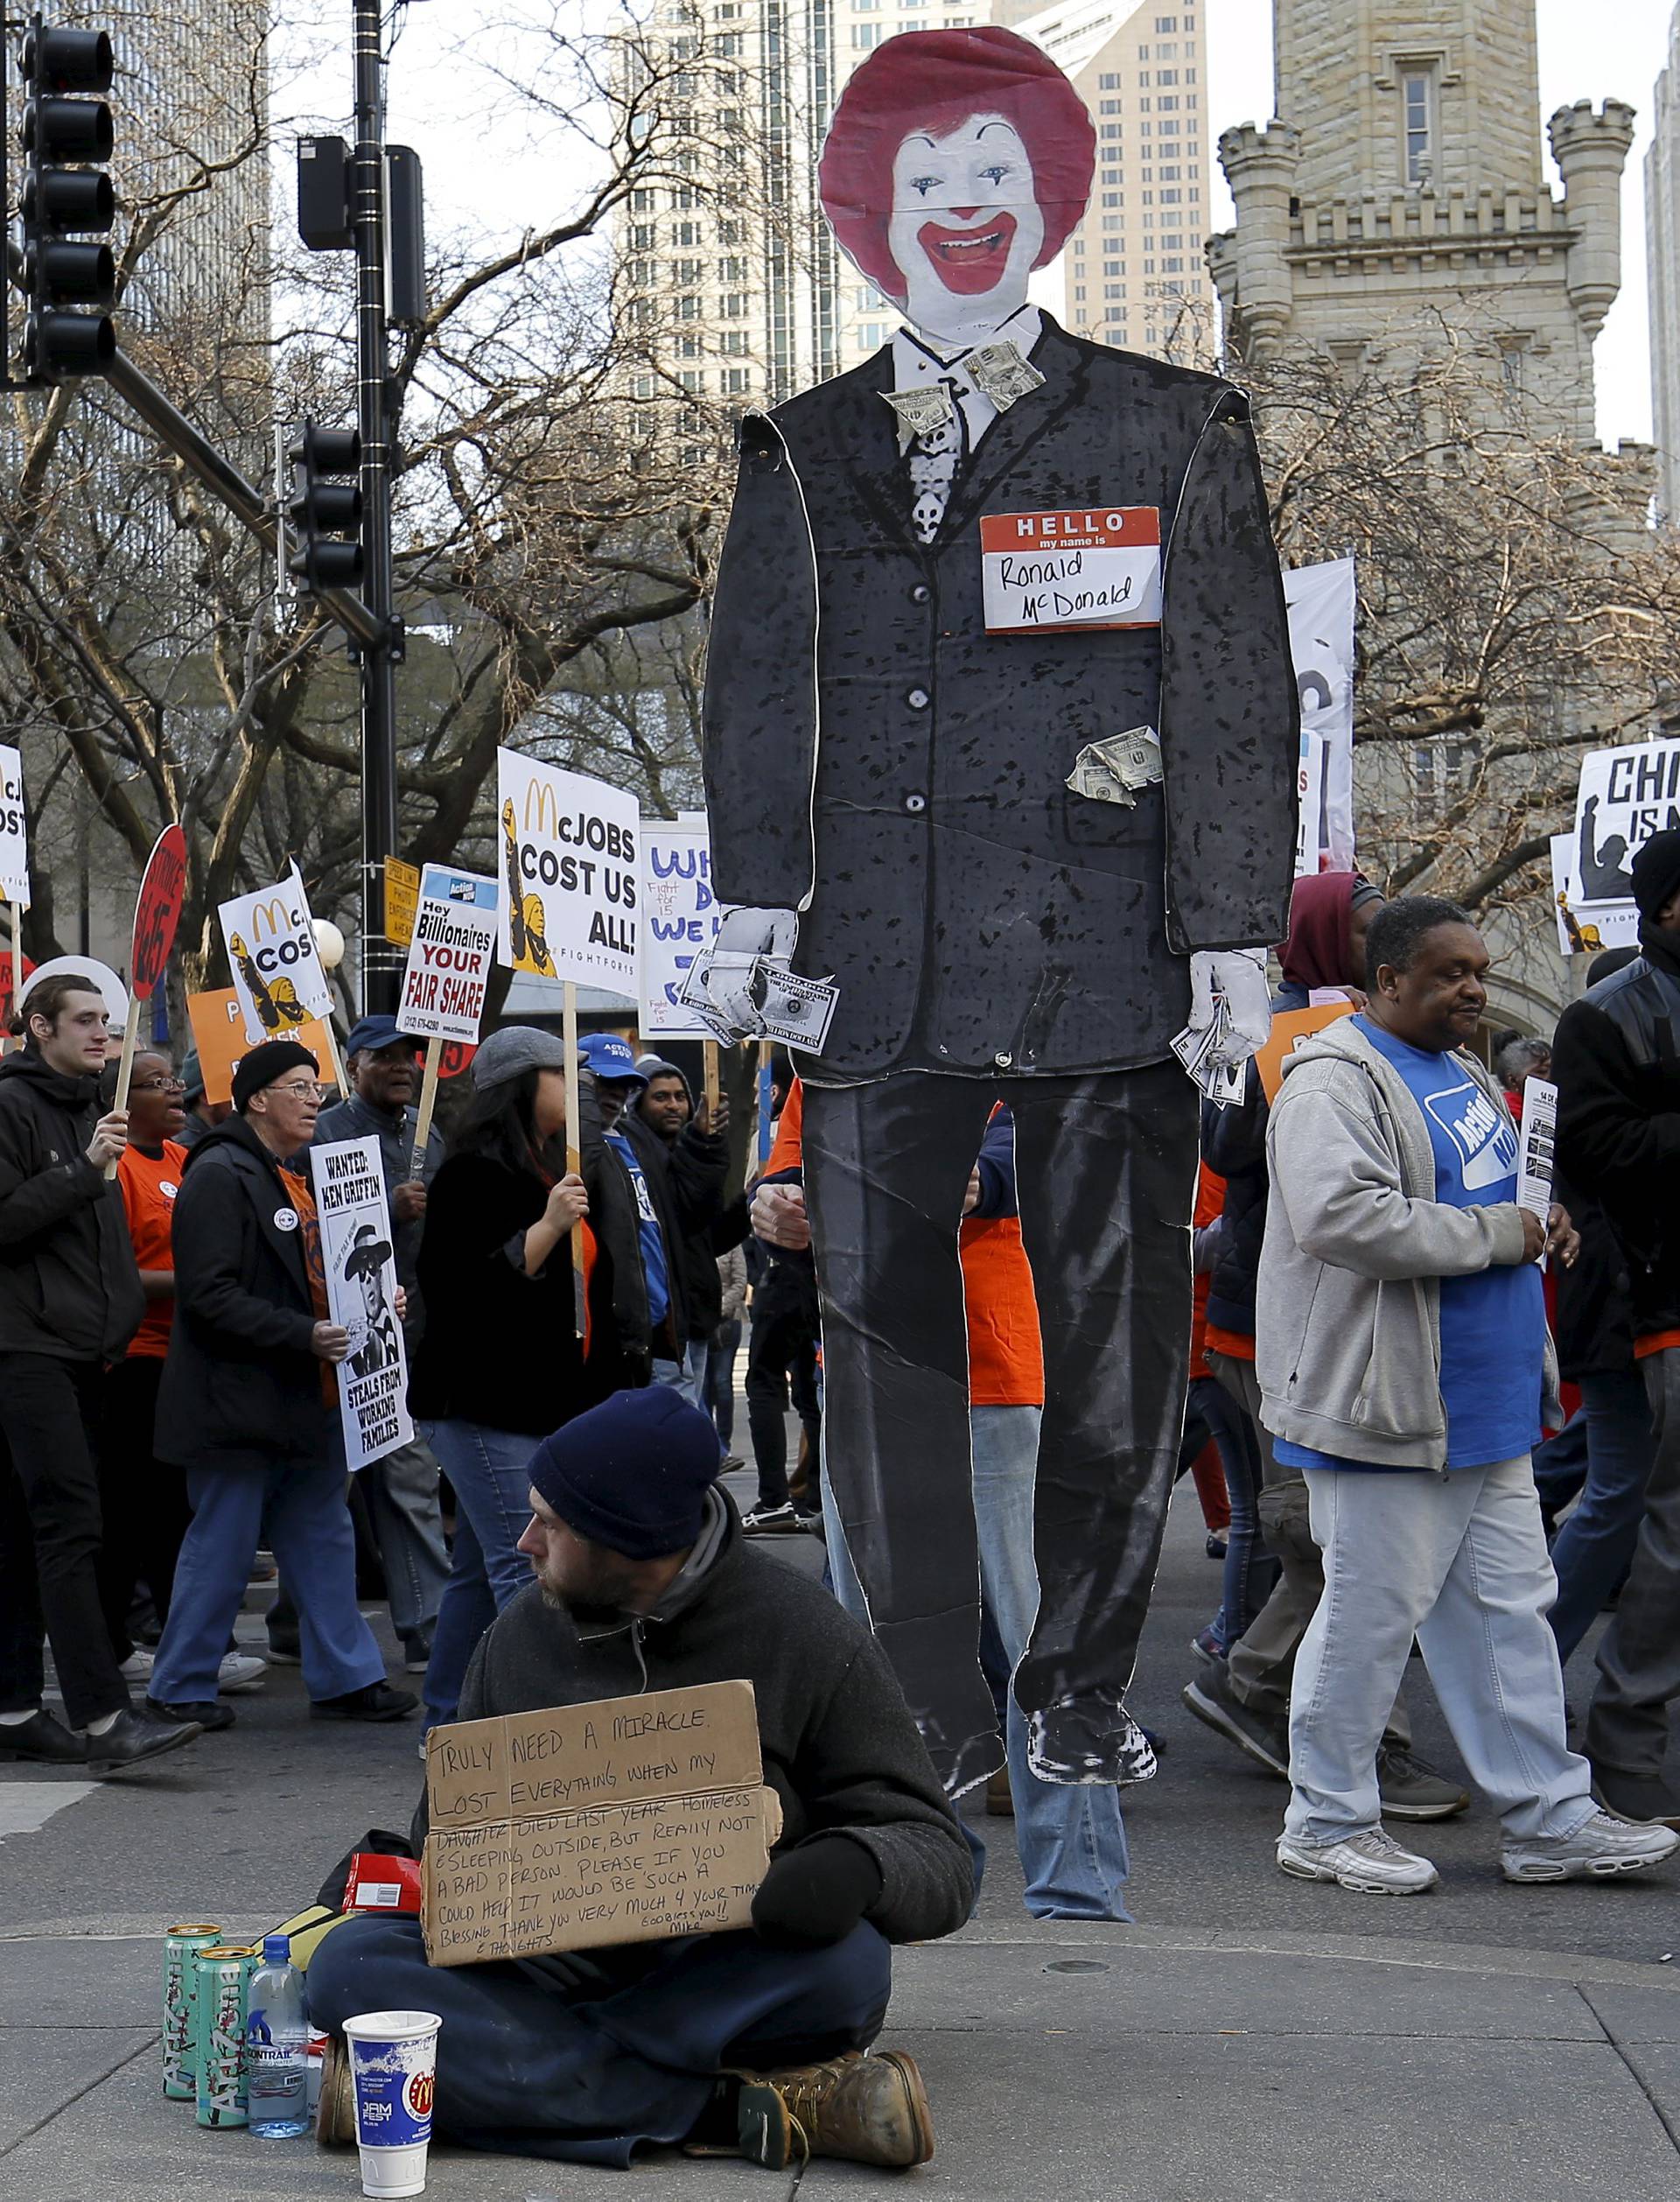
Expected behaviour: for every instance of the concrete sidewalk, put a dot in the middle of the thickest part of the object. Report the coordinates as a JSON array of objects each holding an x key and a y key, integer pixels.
[{"x": 1063, "y": 2062}]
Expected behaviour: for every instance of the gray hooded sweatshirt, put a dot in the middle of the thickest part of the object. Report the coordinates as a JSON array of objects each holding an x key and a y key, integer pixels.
[{"x": 1348, "y": 1332}]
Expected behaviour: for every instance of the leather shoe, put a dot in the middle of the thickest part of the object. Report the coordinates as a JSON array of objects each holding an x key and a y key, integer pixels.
[
  {"x": 335, "y": 2120},
  {"x": 129, "y": 1739},
  {"x": 43, "y": 1740},
  {"x": 867, "y": 2109},
  {"x": 211, "y": 1713},
  {"x": 1645, "y": 1797},
  {"x": 374, "y": 1702}
]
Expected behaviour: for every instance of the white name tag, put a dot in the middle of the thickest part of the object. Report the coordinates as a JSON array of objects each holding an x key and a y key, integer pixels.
[{"x": 1097, "y": 566}]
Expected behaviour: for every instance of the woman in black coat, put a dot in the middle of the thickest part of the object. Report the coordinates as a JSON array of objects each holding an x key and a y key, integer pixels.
[{"x": 501, "y": 1364}]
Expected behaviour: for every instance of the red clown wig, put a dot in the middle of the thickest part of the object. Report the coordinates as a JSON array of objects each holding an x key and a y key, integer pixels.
[{"x": 934, "y": 81}]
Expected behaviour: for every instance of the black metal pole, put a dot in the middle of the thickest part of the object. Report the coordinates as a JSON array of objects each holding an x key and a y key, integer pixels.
[{"x": 380, "y": 962}]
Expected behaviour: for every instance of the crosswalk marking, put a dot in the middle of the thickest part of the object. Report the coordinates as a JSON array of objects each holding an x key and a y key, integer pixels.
[{"x": 25, "y": 1807}]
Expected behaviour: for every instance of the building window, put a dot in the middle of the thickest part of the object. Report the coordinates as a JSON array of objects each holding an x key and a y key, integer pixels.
[
  {"x": 865, "y": 34},
  {"x": 688, "y": 309},
  {"x": 732, "y": 306},
  {"x": 1167, "y": 24},
  {"x": 1172, "y": 265},
  {"x": 733, "y": 341},
  {"x": 871, "y": 335},
  {"x": 1114, "y": 198},
  {"x": 1079, "y": 293},
  {"x": 1417, "y": 93},
  {"x": 692, "y": 381},
  {"x": 641, "y": 236},
  {"x": 1114, "y": 129},
  {"x": 642, "y": 386},
  {"x": 1110, "y": 106},
  {"x": 641, "y": 202},
  {"x": 1114, "y": 290},
  {"x": 1114, "y": 221},
  {"x": 1166, "y": 76},
  {"x": 1114, "y": 266},
  {"x": 688, "y": 347},
  {"x": 735, "y": 380},
  {"x": 1109, "y": 82},
  {"x": 1113, "y": 176}
]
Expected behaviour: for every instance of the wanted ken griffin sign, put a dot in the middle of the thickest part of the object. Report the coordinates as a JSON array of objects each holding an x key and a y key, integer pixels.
[{"x": 1093, "y": 567}]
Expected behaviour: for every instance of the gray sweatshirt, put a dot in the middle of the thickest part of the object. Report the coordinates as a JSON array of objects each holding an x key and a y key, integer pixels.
[{"x": 1348, "y": 1332}]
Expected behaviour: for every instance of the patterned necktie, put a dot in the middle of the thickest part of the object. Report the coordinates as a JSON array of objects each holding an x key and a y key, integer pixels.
[{"x": 934, "y": 458}]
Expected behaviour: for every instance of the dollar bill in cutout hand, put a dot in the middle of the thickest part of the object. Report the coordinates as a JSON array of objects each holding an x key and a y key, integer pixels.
[{"x": 922, "y": 409}]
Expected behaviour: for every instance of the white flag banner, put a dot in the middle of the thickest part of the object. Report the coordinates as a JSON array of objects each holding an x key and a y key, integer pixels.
[
  {"x": 14, "y": 830},
  {"x": 360, "y": 1266},
  {"x": 277, "y": 968},
  {"x": 680, "y": 917},
  {"x": 1308, "y": 840},
  {"x": 572, "y": 871},
  {"x": 450, "y": 953},
  {"x": 1322, "y": 602}
]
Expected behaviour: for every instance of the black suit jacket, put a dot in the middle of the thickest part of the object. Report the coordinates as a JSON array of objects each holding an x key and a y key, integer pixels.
[{"x": 874, "y": 759}]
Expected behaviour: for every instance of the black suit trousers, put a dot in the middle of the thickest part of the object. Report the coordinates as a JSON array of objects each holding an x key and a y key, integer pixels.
[{"x": 1105, "y": 1166}]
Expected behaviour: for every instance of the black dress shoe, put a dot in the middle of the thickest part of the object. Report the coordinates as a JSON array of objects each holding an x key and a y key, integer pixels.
[
  {"x": 374, "y": 1702},
  {"x": 1642, "y": 1797},
  {"x": 212, "y": 1713},
  {"x": 129, "y": 1739},
  {"x": 41, "y": 1739}
]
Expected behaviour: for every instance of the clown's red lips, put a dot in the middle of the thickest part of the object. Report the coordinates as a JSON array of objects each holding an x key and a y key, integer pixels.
[{"x": 969, "y": 260}]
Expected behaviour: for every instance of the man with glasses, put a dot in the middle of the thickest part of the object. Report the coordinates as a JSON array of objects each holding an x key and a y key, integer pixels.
[{"x": 249, "y": 1406}]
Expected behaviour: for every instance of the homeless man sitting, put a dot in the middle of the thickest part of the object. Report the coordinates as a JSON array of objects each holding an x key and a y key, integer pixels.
[{"x": 745, "y": 2040}]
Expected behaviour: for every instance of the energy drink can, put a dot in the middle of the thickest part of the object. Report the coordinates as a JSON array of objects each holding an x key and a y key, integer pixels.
[
  {"x": 222, "y": 1976},
  {"x": 181, "y": 1947}
]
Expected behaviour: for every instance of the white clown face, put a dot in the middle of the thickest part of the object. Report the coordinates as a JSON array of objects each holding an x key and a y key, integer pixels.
[{"x": 965, "y": 228}]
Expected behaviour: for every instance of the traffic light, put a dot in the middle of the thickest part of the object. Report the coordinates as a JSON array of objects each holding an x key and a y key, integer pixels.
[
  {"x": 325, "y": 506},
  {"x": 66, "y": 196}
]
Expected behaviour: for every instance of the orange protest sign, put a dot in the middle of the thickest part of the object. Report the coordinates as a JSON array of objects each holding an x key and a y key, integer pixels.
[
  {"x": 1288, "y": 1030},
  {"x": 219, "y": 1036}
]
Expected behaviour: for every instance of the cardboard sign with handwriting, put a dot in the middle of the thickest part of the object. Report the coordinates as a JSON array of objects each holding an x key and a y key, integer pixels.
[{"x": 622, "y": 1820}]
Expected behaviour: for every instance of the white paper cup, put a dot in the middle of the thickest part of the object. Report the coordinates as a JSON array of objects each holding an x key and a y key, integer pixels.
[{"x": 394, "y": 2066}]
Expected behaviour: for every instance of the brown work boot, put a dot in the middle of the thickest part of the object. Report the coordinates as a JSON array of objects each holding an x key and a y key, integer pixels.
[
  {"x": 335, "y": 2120},
  {"x": 868, "y": 2109}
]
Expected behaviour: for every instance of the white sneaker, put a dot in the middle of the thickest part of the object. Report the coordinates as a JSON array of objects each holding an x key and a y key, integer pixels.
[
  {"x": 1371, "y": 1861},
  {"x": 138, "y": 1666},
  {"x": 1600, "y": 1846},
  {"x": 240, "y": 1670}
]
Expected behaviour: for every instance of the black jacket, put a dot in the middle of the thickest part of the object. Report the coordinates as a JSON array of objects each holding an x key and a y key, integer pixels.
[
  {"x": 1616, "y": 1059},
  {"x": 1592, "y": 1322},
  {"x": 874, "y": 759},
  {"x": 685, "y": 1180},
  {"x": 69, "y": 1282},
  {"x": 1234, "y": 1144},
  {"x": 241, "y": 1386},
  {"x": 839, "y": 1746}
]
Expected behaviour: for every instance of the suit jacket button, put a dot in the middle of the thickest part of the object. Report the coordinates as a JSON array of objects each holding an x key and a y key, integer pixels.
[
  {"x": 917, "y": 699},
  {"x": 920, "y": 594},
  {"x": 915, "y": 804},
  {"x": 1002, "y": 1061}
]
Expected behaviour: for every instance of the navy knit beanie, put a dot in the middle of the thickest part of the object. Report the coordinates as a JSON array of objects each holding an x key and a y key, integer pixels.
[
  {"x": 632, "y": 1473},
  {"x": 1656, "y": 873}
]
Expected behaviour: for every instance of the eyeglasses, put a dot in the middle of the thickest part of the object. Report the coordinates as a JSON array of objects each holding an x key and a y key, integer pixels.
[
  {"x": 159, "y": 1085},
  {"x": 304, "y": 1089}
]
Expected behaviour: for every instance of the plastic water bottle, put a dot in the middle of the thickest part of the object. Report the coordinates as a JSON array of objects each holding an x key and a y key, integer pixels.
[{"x": 277, "y": 2042}]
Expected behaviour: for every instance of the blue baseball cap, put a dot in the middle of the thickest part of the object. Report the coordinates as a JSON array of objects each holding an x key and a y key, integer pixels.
[
  {"x": 610, "y": 1057},
  {"x": 372, "y": 1034}
]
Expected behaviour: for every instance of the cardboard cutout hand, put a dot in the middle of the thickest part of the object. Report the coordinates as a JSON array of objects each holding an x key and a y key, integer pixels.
[
  {"x": 1240, "y": 975},
  {"x": 743, "y": 936}
]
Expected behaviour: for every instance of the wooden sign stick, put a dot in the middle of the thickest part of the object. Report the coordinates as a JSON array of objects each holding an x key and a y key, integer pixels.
[
  {"x": 428, "y": 1102},
  {"x": 574, "y": 1144},
  {"x": 125, "y": 1068},
  {"x": 14, "y": 911},
  {"x": 713, "y": 1081}
]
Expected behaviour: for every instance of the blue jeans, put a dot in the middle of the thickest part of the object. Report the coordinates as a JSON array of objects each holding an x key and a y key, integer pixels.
[
  {"x": 1590, "y": 1552},
  {"x": 303, "y": 1513},
  {"x": 1250, "y": 1569},
  {"x": 1560, "y": 1464},
  {"x": 581, "y": 2057},
  {"x": 402, "y": 1495},
  {"x": 719, "y": 1388},
  {"x": 1072, "y": 1840},
  {"x": 1459, "y": 1561},
  {"x": 492, "y": 1504},
  {"x": 687, "y": 1376}
]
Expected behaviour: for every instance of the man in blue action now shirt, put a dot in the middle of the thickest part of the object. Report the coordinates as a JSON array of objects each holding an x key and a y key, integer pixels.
[{"x": 1402, "y": 1354}]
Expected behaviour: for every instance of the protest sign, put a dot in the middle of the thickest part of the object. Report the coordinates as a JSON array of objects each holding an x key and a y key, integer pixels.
[
  {"x": 1322, "y": 601},
  {"x": 450, "y": 955},
  {"x": 360, "y": 1270},
  {"x": 624, "y": 1819},
  {"x": 680, "y": 917},
  {"x": 1289, "y": 1029},
  {"x": 571, "y": 866},
  {"x": 157, "y": 913},
  {"x": 14, "y": 859},
  {"x": 1536, "y": 1163},
  {"x": 1610, "y": 925},
  {"x": 1626, "y": 794},
  {"x": 452, "y": 945},
  {"x": 275, "y": 964},
  {"x": 218, "y": 1023}
]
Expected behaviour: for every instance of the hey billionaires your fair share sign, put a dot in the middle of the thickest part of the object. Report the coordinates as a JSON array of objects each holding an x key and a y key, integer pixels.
[{"x": 450, "y": 953}]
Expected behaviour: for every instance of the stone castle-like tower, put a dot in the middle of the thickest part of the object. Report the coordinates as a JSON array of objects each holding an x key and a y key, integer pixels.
[{"x": 1405, "y": 177}]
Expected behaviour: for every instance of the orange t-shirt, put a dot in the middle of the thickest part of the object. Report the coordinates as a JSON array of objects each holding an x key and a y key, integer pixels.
[
  {"x": 148, "y": 1184},
  {"x": 1210, "y": 1201},
  {"x": 1005, "y": 1351},
  {"x": 1658, "y": 1341},
  {"x": 301, "y": 1194}
]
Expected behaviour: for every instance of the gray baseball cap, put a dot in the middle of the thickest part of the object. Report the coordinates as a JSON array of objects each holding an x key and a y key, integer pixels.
[{"x": 515, "y": 1050}]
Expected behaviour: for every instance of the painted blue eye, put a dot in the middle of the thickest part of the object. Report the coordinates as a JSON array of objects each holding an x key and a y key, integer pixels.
[
  {"x": 923, "y": 184},
  {"x": 996, "y": 175}
]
